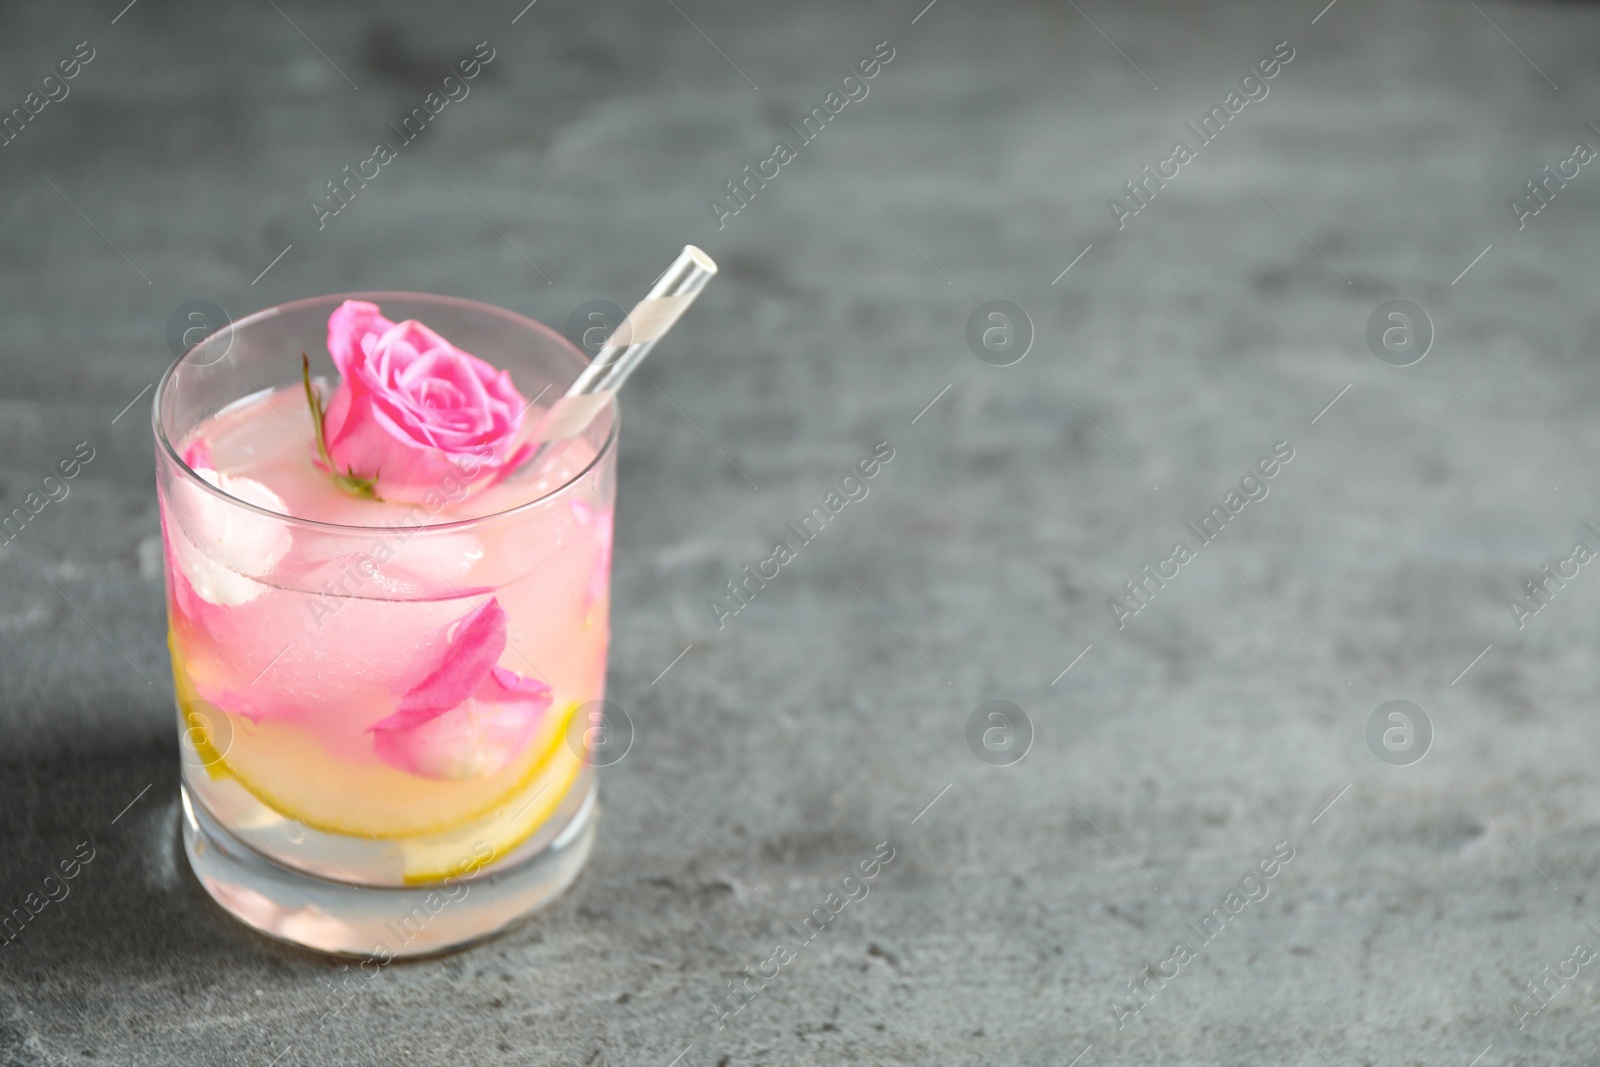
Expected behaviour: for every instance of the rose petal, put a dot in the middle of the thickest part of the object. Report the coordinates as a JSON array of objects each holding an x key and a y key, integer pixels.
[
  {"x": 198, "y": 454},
  {"x": 473, "y": 740},
  {"x": 351, "y": 328},
  {"x": 469, "y": 717},
  {"x": 418, "y": 337},
  {"x": 479, "y": 639},
  {"x": 503, "y": 686}
]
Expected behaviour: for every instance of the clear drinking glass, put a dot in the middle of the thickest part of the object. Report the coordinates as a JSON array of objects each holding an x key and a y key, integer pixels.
[{"x": 293, "y": 638}]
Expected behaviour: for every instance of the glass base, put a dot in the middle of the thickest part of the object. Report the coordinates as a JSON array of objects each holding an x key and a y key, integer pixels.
[{"x": 379, "y": 922}]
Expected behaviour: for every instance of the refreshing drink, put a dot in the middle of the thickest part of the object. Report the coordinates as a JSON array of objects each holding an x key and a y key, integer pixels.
[{"x": 388, "y": 628}]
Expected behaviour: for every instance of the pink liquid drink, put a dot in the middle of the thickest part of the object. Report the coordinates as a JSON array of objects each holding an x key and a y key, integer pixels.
[{"x": 388, "y": 630}]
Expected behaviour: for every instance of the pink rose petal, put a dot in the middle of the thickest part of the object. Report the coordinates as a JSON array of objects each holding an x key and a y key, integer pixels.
[
  {"x": 503, "y": 686},
  {"x": 479, "y": 639},
  {"x": 472, "y": 740},
  {"x": 469, "y": 717},
  {"x": 351, "y": 324},
  {"x": 198, "y": 454}
]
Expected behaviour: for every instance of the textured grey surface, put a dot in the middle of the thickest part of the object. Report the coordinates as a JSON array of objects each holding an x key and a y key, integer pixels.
[{"x": 1220, "y": 722}]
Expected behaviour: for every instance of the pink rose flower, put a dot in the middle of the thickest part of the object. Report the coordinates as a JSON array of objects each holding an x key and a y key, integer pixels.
[{"x": 415, "y": 412}]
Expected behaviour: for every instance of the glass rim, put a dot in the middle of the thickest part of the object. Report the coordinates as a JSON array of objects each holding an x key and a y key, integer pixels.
[{"x": 169, "y": 451}]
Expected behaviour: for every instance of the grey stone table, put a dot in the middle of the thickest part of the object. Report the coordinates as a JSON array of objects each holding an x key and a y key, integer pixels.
[{"x": 1075, "y": 903}]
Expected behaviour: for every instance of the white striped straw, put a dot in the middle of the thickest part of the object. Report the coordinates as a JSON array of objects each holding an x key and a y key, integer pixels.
[{"x": 624, "y": 350}]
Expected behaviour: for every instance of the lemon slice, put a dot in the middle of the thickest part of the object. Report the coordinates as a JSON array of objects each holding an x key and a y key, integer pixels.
[
  {"x": 285, "y": 767},
  {"x": 202, "y": 720},
  {"x": 466, "y": 848}
]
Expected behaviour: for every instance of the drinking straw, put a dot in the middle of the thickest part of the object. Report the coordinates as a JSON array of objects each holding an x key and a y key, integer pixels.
[{"x": 624, "y": 350}]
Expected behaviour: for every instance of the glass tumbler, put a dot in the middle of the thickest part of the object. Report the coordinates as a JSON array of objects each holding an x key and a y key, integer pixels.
[{"x": 307, "y": 814}]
